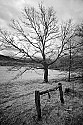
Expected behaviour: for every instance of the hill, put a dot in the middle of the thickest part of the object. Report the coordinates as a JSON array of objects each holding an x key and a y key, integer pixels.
[
  {"x": 6, "y": 58},
  {"x": 8, "y": 61}
]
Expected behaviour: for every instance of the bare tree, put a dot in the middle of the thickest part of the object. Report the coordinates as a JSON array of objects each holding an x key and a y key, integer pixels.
[
  {"x": 37, "y": 34},
  {"x": 79, "y": 33},
  {"x": 71, "y": 47}
]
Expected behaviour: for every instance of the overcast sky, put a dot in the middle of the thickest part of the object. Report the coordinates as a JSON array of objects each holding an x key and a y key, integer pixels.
[{"x": 65, "y": 9}]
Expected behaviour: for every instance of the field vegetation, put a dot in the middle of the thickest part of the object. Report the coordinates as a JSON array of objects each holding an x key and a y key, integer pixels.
[{"x": 17, "y": 103}]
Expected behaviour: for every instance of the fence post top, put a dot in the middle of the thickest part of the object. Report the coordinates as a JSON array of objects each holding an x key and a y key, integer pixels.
[
  {"x": 59, "y": 84},
  {"x": 36, "y": 90}
]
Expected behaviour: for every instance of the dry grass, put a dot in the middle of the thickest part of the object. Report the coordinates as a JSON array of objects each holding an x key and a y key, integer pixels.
[{"x": 17, "y": 106}]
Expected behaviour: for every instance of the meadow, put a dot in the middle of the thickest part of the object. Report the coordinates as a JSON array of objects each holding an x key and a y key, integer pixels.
[{"x": 17, "y": 98}]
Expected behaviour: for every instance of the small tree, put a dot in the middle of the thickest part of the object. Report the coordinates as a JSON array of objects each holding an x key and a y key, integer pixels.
[
  {"x": 79, "y": 33},
  {"x": 37, "y": 34},
  {"x": 68, "y": 31}
]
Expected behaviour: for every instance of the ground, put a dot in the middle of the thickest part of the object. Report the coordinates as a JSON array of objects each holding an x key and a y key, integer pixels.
[{"x": 17, "y": 103}]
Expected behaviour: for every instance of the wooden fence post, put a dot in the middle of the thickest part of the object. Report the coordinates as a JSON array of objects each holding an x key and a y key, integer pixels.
[
  {"x": 38, "y": 106},
  {"x": 61, "y": 93}
]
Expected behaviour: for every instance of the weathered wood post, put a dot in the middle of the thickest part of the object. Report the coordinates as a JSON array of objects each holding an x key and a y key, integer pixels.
[
  {"x": 61, "y": 93},
  {"x": 38, "y": 106}
]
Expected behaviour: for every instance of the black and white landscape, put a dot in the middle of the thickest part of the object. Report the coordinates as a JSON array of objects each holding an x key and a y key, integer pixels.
[{"x": 41, "y": 62}]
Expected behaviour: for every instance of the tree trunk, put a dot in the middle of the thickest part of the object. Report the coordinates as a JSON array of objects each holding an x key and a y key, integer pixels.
[
  {"x": 69, "y": 72},
  {"x": 82, "y": 75},
  {"x": 45, "y": 73},
  {"x": 69, "y": 62}
]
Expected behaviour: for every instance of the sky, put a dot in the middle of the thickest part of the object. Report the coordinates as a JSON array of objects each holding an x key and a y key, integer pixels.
[{"x": 65, "y": 9}]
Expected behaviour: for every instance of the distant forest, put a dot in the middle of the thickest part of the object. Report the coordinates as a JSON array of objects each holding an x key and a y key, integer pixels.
[
  {"x": 61, "y": 64},
  {"x": 10, "y": 61}
]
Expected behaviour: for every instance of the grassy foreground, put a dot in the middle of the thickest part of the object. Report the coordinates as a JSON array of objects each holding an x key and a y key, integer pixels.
[{"x": 17, "y": 103}]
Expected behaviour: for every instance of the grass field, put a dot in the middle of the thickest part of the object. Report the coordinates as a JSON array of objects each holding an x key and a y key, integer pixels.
[{"x": 17, "y": 103}]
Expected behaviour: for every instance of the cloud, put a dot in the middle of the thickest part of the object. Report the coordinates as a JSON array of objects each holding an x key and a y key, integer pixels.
[
  {"x": 65, "y": 9},
  {"x": 10, "y": 9}
]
